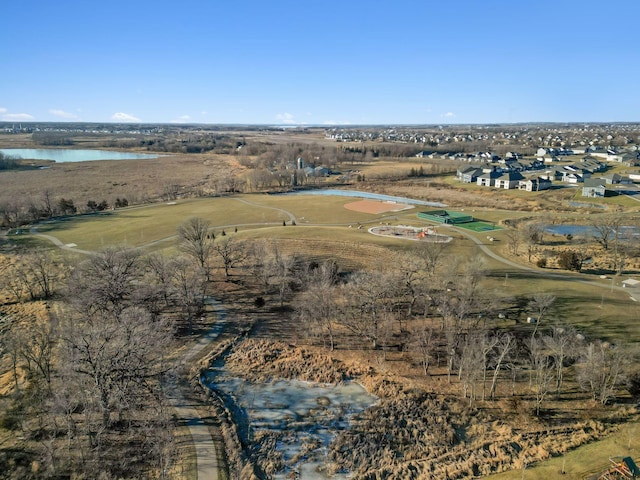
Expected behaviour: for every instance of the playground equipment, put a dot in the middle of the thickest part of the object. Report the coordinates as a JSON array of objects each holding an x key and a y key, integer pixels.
[
  {"x": 427, "y": 231},
  {"x": 621, "y": 468}
]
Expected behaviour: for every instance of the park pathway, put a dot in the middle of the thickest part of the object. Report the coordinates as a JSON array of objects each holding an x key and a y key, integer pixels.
[
  {"x": 208, "y": 453},
  {"x": 633, "y": 294}
]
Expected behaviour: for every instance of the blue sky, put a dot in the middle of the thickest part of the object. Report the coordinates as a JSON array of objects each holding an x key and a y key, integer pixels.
[{"x": 323, "y": 62}]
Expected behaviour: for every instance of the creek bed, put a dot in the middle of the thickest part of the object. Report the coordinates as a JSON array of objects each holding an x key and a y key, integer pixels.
[{"x": 303, "y": 417}]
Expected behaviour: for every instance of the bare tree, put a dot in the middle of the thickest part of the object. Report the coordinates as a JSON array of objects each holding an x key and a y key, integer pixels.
[
  {"x": 505, "y": 344},
  {"x": 38, "y": 340},
  {"x": 366, "y": 297},
  {"x": 196, "y": 241},
  {"x": 230, "y": 251},
  {"x": 540, "y": 303},
  {"x": 282, "y": 267},
  {"x": 625, "y": 244},
  {"x": 160, "y": 270},
  {"x": 424, "y": 344},
  {"x": 606, "y": 228},
  {"x": 105, "y": 282},
  {"x": 41, "y": 272},
  {"x": 601, "y": 369},
  {"x": 561, "y": 343},
  {"x": 531, "y": 234},
  {"x": 259, "y": 254},
  {"x": 432, "y": 255},
  {"x": 316, "y": 310},
  {"x": 113, "y": 360},
  {"x": 471, "y": 364},
  {"x": 542, "y": 371},
  {"x": 514, "y": 238},
  {"x": 411, "y": 278},
  {"x": 188, "y": 289}
]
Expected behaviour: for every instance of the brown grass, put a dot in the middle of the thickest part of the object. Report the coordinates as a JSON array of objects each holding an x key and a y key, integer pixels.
[{"x": 136, "y": 180}]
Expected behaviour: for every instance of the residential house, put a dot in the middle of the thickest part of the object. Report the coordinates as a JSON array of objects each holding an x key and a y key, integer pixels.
[
  {"x": 616, "y": 179},
  {"x": 469, "y": 174},
  {"x": 573, "y": 174},
  {"x": 630, "y": 159},
  {"x": 488, "y": 179},
  {"x": 592, "y": 164},
  {"x": 508, "y": 180},
  {"x": 534, "y": 184},
  {"x": 594, "y": 187}
]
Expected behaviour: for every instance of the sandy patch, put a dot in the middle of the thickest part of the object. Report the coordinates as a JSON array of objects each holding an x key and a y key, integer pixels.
[
  {"x": 376, "y": 206},
  {"x": 428, "y": 234}
]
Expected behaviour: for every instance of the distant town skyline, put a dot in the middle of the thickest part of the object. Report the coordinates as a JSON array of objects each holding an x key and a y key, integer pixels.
[{"x": 325, "y": 63}]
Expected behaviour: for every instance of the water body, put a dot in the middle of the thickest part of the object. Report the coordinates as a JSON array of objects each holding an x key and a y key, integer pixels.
[
  {"x": 588, "y": 230},
  {"x": 303, "y": 415},
  {"x": 66, "y": 155},
  {"x": 372, "y": 196}
]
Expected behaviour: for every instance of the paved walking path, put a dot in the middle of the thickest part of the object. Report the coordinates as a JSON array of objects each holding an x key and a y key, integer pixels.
[
  {"x": 207, "y": 454},
  {"x": 634, "y": 294}
]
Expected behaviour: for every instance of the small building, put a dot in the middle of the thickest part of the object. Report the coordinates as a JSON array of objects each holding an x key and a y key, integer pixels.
[
  {"x": 534, "y": 184},
  {"x": 630, "y": 283},
  {"x": 594, "y": 187},
  {"x": 469, "y": 174},
  {"x": 447, "y": 217},
  {"x": 616, "y": 179},
  {"x": 508, "y": 180},
  {"x": 488, "y": 179}
]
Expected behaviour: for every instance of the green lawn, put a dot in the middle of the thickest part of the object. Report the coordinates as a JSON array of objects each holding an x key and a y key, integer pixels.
[
  {"x": 585, "y": 461},
  {"x": 140, "y": 226}
]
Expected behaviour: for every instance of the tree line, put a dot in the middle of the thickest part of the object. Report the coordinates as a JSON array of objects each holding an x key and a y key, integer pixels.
[{"x": 14, "y": 214}]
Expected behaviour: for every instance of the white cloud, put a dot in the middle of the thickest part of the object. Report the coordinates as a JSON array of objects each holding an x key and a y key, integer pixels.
[
  {"x": 17, "y": 117},
  {"x": 124, "y": 117},
  {"x": 285, "y": 118},
  {"x": 449, "y": 115},
  {"x": 181, "y": 119},
  {"x": 3, "y": 110},
  {"x": 62, "y": 114}
]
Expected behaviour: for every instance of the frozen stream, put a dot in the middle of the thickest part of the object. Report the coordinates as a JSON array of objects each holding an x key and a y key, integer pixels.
[{"x": 304, "y": 417}]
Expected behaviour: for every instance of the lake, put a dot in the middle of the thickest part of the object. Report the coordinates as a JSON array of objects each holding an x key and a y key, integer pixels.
[
  {"x": 369, "y": 195},
  {"x": 66, "y": 155}
]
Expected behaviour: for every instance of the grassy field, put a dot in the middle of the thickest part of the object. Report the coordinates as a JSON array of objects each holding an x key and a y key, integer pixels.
[
  {"x": 140, "y": 226},
  {"x": 323, "y": 226},
  {"x": 585, "y": 461}
]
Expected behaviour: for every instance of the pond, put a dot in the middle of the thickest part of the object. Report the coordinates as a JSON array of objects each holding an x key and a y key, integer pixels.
[
  {"x": 304, "y": 417},
  {"x": 372, "y": 196},
  {"x": 588, "y": 230},
  {"x": 66, "y": 155}
]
